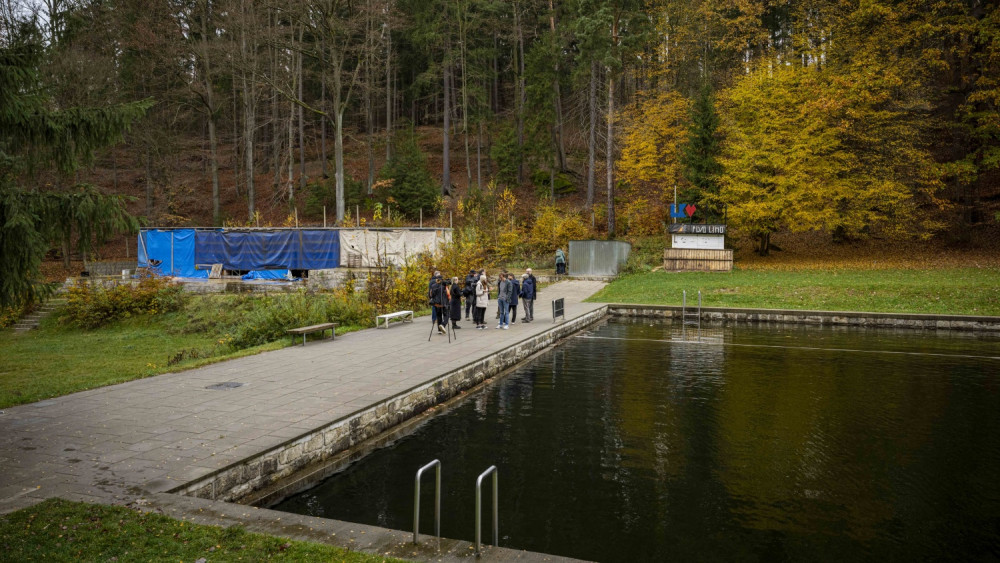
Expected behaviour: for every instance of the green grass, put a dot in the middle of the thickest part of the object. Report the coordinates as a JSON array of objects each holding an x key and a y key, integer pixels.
[
  {"x": 58, "y": 359},
  {"x": 960, "y": 291},
  {"x": 59, "y": 530}
]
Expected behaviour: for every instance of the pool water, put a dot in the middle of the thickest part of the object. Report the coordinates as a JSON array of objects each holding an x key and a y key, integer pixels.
[{"x": 647, "y": 441}]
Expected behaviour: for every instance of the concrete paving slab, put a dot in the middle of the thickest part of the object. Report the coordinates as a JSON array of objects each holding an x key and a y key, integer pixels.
[{"x": 136, "y": 439}]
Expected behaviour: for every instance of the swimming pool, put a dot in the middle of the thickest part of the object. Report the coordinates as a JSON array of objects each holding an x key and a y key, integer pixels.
[{"x": 645, "y": 441}]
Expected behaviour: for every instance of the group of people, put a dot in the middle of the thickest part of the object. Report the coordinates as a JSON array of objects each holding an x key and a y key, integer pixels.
[{"x": 445, "y": 297}]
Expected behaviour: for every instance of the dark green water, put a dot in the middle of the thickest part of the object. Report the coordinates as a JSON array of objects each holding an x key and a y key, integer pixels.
[{"x": 773, "y": 443}]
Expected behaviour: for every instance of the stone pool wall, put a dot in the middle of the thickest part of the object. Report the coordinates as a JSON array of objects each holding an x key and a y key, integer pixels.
[
  {"x": 241, "y": 479},
  {"x": 832, "y": 318}
]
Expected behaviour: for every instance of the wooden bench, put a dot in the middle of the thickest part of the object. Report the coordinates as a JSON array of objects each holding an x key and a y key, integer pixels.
[
  {"x": 397, "y": 315},
  {"x": 304, "y": 330}
]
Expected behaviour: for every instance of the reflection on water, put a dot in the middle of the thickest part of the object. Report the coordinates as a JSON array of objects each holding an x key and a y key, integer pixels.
[{"x": 636, "y": 441}]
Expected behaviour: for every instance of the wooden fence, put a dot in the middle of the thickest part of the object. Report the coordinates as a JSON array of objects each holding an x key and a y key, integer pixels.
[{"x": 697, "y": 260}]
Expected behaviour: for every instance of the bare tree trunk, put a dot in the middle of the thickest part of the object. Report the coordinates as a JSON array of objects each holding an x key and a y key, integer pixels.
[
  {"x": 557, "y": 131},
  {"x": 302, "y": 123},
  {"x": 149, "y": 183},
  {"x": 446, "y": 152},
  {"x": 610, "y": 154},
  {"x": 519, "y": 53},
  {"x": 388, "y": 91},
  {"x": 369, "y": 91},
  {"x": 465, "y": 97},
  {"x": 322, "y": 103},
  {"x": 592, "y": 137},
  {"x": 249, "y": 109}
]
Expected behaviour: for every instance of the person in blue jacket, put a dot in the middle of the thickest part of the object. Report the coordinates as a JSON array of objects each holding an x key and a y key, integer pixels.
[
  {"x": 514, "y": 294},
  {"x": 528, "y": 294}
]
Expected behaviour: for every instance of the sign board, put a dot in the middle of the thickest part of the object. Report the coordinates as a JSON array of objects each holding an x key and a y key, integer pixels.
[
  {"x": 558, "y": 309},
  {"x": 695, "y": 229},
  {"x": 711, "y": 242}
]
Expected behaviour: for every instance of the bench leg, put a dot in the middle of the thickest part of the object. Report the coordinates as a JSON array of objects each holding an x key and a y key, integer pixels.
[{"x": 303, "y": 339}]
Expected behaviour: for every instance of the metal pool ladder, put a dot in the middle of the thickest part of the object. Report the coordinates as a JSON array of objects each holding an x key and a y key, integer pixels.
[
  {"x": 693, "y": 318},
  {"x": 479, "y": 512},
  {"x": 436, "y": 464}
]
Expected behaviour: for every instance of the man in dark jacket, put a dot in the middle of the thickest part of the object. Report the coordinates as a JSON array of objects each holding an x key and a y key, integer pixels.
[
  {"x": 470, "y": 292},
  {"x": 529, "y": 292}
]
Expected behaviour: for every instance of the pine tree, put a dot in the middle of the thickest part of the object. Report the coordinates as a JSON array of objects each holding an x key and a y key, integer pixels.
[{"x": 700, "y": 156}]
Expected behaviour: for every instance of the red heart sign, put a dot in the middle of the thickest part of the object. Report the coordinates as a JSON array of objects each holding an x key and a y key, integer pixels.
[{"x": 690, "y": 209}]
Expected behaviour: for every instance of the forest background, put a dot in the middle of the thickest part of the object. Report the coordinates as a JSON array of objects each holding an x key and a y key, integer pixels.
[{"x": 527, "y": 122}]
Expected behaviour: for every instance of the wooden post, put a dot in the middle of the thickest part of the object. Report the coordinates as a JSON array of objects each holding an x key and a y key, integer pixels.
[
  {"x": 126, "y": 246},
  {"x": 357, "y": 214},
  {"x": 296, "y": 217},
  {"x": 324, "y": 216},
  {"x": 451, "y": 219}
]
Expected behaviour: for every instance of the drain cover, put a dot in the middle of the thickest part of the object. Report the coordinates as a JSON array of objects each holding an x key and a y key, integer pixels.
[{"x": 225, "y": 385}]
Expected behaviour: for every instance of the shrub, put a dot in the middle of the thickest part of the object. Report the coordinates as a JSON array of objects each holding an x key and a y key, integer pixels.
[
  {"x": 91, "y": 306},
  {"x": 554, "y": 228}
]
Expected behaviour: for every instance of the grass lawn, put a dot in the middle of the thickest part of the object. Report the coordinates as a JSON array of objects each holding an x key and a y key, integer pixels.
[
  {"x": 960, "y": 291},
  {"x": 58, "y": 359},
  {"x": 59, "y": 530}
]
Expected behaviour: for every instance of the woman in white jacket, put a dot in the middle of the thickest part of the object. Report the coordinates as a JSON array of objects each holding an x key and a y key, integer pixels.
[{"x": 482, "y": 300}]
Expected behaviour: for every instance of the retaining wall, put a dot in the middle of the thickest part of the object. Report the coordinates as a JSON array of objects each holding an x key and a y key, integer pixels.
[
  {"x": 252, "y": 474},
  {"x": 832, "y": 318}
]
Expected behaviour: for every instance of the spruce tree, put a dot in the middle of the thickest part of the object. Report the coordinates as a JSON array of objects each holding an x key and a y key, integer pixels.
[
  {"x": 34, "y": 135},
  {"x": 412, "y": 187},
  {"x": 700, "y": 156}
]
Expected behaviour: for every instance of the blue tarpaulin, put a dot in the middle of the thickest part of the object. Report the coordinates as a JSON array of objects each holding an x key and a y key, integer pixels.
[
  {"x": 300, "y": 249},
  {"x": 169, "y": 252},
  {"x": 268, "y": 275}
]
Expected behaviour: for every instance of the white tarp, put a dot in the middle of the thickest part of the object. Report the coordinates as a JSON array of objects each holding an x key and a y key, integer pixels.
[{"x": 393, "y": 245}]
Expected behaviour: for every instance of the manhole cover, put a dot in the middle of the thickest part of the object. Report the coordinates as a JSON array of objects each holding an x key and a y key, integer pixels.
[{"x": 225, "y": 385}]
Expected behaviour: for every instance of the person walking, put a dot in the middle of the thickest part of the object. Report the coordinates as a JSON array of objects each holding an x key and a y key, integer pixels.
[
  {"x": 503, "y": 298},
  {"x": 528, "y": 293},
  {"x": 560, "y": 262},
  {"x": 455, "y": 303},
  {"x": 515, "y": 292},
  {"x": 482, "y": 300},
  {"x": 470, "y": 292}
]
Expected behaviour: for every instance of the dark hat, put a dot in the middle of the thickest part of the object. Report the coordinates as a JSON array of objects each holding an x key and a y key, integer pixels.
[{"x": 472, "y": 271}]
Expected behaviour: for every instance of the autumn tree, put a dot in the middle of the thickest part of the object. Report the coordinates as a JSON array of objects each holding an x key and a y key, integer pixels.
[{"x": 653, "y": 133}]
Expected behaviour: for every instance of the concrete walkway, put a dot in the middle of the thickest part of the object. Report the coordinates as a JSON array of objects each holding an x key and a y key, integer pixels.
[{"x": 120, "y": 443}]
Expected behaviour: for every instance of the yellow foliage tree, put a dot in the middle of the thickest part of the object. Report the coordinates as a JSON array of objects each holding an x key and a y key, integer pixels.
[
  {"x": 799, "y": 156},
  {"x": 654, "y": 131}
]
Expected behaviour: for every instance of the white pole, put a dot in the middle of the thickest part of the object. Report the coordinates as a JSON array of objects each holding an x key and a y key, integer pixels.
[{"x": 324, "y": 216}]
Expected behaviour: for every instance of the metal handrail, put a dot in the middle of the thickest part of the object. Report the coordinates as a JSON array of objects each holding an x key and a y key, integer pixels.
[
  {"x": 479, "y": 512},
  {"x": 437, "y": 499}
]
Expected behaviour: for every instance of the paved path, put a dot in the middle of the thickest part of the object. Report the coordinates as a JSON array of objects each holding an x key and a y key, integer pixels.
[{"x": 117, "y": 443}]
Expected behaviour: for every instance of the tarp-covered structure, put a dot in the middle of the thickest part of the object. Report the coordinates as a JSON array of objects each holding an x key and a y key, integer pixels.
[{"x": 189, "y": 253}]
